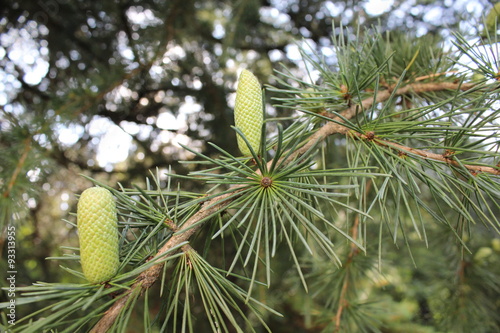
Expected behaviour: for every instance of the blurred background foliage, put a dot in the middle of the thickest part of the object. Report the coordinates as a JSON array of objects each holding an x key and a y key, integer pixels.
[{"x": 109, "y": 89}]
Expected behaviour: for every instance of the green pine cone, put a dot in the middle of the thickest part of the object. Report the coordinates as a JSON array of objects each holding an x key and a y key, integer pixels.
[
  {"x": 98, "y": 234},
  {"x": 248, "y": 112}
]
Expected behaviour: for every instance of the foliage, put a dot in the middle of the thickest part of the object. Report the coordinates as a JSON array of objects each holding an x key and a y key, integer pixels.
[{"x": 371, "y": 205}]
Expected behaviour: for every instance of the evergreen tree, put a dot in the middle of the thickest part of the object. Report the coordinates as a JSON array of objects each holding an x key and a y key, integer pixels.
[{"x": 370, "y": 205}]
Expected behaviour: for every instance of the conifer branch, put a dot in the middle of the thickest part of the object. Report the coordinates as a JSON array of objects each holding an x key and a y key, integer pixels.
[
  {"x": 434, "y": 75},
  {"x": 446, "y": 157},
  {"x": 343, "y": 301},
  {"x": 19, "y": 166},
  {"x": 146, "y": 279},
  {"x": 382, "y": 96},
  {"x": 354, "y": 251}
]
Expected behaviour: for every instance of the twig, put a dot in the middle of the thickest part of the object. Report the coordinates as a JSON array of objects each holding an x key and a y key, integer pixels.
[
  {"x": 336, "y": 128},
  {"x": 19, "y": 166},
  {"x": 148, "y": 277},
  {"x": 445, "y": 158},
  {"x": 431, "y": 76},
  {"x": 440, "y": 157},
  {"x": 343, "y": 302}
]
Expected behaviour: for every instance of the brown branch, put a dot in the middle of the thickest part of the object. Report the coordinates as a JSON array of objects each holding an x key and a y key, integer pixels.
[
  {"x": 19, "y": 167},
  {"x": 431, "y": 76},
  {"x": 336, "y": 128},
  {"x": 343, "y": 302},
  {"x": 439, "y": 157},
  {"x": 148, "y": 277},
  {"x": 445, "y": 158}
]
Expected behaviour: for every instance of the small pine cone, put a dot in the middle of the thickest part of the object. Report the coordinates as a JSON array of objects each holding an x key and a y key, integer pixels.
[
  {"x": 98, "y": 234},
  {"x": 248, "y": 112}
]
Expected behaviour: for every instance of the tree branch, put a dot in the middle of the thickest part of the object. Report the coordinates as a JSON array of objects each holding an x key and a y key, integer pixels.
[
  {"x": 354, "y": 251},
  {"x": 448, "y": 159},
  {"x": 19, "y": 167},
  {"x": 336, "y": 128},
  {"x": 148, "y": 277}
]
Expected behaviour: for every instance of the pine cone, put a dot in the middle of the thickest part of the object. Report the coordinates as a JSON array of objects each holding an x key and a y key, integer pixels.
[
  {"x": 248, "y": 112},
  {"x": 98, "y": 234}
]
